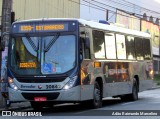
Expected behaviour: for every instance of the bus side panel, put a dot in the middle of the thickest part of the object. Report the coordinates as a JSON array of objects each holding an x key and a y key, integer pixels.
[
  {"x": 143, "y": 72},
  {"x": 90, "y": 75},
  {"x": 118, "y": 88},
  {"x": 86, "y": 78},
  {"x": 117, "y": 78}
]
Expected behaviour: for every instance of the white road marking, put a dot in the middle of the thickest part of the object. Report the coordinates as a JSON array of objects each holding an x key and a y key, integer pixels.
[{"x": 127, "y": 103}]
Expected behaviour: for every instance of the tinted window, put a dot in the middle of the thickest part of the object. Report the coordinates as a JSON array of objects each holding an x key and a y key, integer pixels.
[
  {"x": 139, "y": 48},
  {"x": 130, "y": 47},
  {"x": 146, "y": 49},
  {"x": 98, "y": 44}
]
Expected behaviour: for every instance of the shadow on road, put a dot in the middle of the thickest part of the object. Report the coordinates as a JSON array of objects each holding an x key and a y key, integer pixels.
[{"x": 69, "y": 109}]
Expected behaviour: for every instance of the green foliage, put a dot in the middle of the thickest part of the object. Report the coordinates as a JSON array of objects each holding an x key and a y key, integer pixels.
[{"x": 157, "y": 79}]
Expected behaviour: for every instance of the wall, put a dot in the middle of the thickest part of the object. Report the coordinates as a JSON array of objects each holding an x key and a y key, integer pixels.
[{"x": 33, "y": 9}]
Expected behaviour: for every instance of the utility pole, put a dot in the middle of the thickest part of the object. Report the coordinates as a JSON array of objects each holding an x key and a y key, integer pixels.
[{"x": 6, "y": 24}]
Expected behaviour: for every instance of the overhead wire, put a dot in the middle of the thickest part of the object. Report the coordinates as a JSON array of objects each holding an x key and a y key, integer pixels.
[
  {"x": 132, "y": 5},
  {"x": 116, "y": 8},
  {"x": 100, "y": 8},
  {"x": 143, "y": 8},
  {"x": 131, "y": 13}
]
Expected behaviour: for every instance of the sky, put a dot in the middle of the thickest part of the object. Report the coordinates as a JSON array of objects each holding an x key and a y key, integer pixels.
[{"x": 90, "y": 13}]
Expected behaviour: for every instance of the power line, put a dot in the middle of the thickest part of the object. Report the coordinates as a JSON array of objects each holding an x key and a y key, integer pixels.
[
  {"x": 132, "y": 5},
  {"x": 131, "y": 13},
  {"x": 121, "y": 4},
  {"x": 151, "y": 11},
  {"x": 100, "y": 8},
  {"x": 104, "y": 9},
  {"x": 88, "y": 5}
]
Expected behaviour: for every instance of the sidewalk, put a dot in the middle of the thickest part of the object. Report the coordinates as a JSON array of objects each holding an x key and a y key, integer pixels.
[
  {"x": 24, "y": 105},
  {"x": 155, "y": 86}
]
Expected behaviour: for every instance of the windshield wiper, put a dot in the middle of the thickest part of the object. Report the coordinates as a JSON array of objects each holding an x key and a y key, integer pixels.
[
  {"x": 31, "y": 43},
  {"x": 53, "y": 40}
]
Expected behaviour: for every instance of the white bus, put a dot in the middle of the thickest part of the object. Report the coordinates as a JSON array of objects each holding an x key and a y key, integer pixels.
[{"x": 73, "y": 60}]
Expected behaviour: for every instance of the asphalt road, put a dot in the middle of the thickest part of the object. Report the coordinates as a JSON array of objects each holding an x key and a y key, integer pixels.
[{"x": 147, "y": 107}]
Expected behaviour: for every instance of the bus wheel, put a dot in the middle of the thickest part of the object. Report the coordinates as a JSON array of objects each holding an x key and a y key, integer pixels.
[
  {"x": 97, "y": 96},
  {"x": 134, "y": 95}
]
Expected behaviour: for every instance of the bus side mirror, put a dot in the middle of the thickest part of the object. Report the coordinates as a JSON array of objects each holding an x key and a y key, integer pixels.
[{"x": 4, "y": 36}]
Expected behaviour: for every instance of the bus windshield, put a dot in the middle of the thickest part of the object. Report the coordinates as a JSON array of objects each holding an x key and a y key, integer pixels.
[{"x": 43, "y": 55}]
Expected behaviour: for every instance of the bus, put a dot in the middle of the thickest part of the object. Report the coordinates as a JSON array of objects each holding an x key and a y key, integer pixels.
[{"x": 64, "y": 60}]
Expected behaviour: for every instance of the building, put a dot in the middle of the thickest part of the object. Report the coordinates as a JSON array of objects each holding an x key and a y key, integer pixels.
[
  {"x": 129, "y": 14},
  {"x": 32, "y": 9}
]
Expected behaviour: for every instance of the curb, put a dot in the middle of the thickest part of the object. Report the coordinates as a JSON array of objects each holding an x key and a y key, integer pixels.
[{"x": 155, "y": 87}]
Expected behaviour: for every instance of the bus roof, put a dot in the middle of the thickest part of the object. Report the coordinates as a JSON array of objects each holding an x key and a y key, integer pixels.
[
  {"x": 113, "y": 28},
  {"x": 95, "y": 25}
]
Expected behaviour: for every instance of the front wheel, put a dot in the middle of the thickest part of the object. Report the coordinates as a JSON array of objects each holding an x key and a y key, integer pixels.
[{"x": 97, "y": 96}]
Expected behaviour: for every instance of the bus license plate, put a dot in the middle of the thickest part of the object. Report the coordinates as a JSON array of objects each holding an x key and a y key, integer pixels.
[{"x": 40, "y": 99}]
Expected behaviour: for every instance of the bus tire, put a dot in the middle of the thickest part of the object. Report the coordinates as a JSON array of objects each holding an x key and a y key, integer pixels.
[
  {"x": 97, "y": 96},
  {"x": 134, "y": 95}
]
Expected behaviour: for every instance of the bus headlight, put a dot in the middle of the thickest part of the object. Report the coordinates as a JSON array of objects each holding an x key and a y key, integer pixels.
[
  {"x": 70, "y": 83},
  {"x": 11, "y": 83}
]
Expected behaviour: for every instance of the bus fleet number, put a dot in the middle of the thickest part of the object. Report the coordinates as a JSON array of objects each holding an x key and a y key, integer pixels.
[{"x": 51, "y": 86}]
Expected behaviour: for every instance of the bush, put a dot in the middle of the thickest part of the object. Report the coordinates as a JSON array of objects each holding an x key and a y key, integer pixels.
[{"x": 157, "y": 77}]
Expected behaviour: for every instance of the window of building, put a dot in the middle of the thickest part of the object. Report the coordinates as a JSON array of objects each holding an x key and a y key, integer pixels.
[
  {"x": 98, "y": 44},
  {"x": 155, "y": 63}
]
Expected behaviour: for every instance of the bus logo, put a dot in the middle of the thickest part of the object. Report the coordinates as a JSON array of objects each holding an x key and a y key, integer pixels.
[{"x": 40, "y": 87}]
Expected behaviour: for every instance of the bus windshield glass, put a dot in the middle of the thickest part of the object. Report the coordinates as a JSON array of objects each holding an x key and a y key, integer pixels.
[{"x": 43, "y": 55}]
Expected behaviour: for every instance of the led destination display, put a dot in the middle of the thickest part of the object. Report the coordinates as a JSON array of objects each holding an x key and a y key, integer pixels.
[{"x": 35, "y": 27}]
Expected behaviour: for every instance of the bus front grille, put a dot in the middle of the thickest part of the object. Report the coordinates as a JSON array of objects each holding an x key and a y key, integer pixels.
[{"x": 49, "y": 96}]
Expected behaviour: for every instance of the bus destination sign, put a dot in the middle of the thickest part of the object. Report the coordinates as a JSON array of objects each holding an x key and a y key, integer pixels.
[
  {"x": 46, "y": 27},
  {"x": 51, "y": 27}
]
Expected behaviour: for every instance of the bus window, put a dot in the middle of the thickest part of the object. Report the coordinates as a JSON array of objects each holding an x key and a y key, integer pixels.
[
  {"x": 130, "y": 48},
  {"x": 84, "y": 50},
  {"x": 139, "y": 48},
  {"x": 146, "y": 49},
  {"x": 121, "y": 46},
  {"x": 98, "y": 44},
  {"x": 24, "y": 57},
  {"x": 110, "y": 46}
]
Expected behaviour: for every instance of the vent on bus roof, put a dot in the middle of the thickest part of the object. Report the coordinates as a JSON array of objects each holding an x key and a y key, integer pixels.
[{"x": 104, "y": 22}]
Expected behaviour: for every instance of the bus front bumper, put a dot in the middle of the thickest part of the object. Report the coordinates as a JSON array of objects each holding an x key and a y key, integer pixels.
[{"x": 72, "y": 94}]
